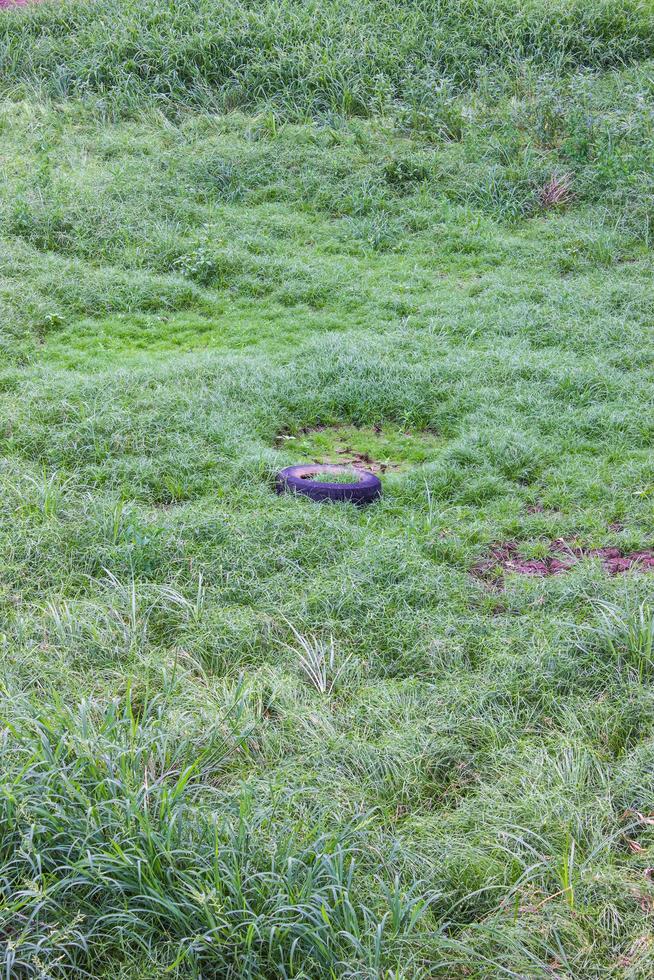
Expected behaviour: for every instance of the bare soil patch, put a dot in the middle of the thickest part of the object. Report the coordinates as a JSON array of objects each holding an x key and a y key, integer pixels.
[{"x": 506, "y": 558}]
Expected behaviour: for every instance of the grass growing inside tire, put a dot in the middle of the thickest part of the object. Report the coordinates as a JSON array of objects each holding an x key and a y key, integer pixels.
[
  {"x": 347, "y": 476},
  {"x": 247, "y": 736}
]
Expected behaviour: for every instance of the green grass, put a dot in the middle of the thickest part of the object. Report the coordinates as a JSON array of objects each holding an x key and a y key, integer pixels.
[
  {"x": 245, "y": 735},
  {"x": 347, "y": 475},
  {"x": 350, "y": 55},
  {"x": 387, "y": 448}
]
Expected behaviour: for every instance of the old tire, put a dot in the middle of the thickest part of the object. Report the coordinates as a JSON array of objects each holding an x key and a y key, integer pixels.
[{"x": 306, "y": 479}]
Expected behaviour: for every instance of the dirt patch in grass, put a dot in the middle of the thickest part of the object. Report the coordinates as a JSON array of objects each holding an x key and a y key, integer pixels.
[
  {"x": 615, "y": 561},
  {"x": 379, "y": 449},
  {"x": 505, "y": 557}
]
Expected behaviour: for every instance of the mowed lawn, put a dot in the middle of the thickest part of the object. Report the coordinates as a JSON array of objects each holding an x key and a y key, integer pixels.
[{"x": 246, "y": 735}]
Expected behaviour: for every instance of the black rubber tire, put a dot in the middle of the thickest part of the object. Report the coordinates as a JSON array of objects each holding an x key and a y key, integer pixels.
[{"x": 300, "y": 479}]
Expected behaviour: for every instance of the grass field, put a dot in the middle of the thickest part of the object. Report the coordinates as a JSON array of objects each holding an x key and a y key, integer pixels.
[{"x": 245, "y": 735}]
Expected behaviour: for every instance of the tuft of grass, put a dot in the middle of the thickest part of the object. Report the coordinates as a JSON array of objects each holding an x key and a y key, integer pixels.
[
  {"x": 628, "y": 636},
  {"x": 556, "y": 191},
  {"x": 111, "y": 839},
  {"x": 319, "y": 662}
]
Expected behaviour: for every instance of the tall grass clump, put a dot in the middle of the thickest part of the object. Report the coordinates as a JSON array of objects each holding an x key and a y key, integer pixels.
[
  {"x": 627, "y": 635},
  {"x": 117, "y": 841}
]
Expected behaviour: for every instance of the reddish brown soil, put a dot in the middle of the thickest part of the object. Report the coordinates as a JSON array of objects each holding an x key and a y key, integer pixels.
[
  {"x": 505, "y": 557},
  {"x": 614, "y": 561}
]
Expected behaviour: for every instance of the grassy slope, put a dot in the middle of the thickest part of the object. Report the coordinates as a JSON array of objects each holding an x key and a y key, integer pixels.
[
  {"x": 178, "y": 288},
  {"x": 352, "y": 55}
]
